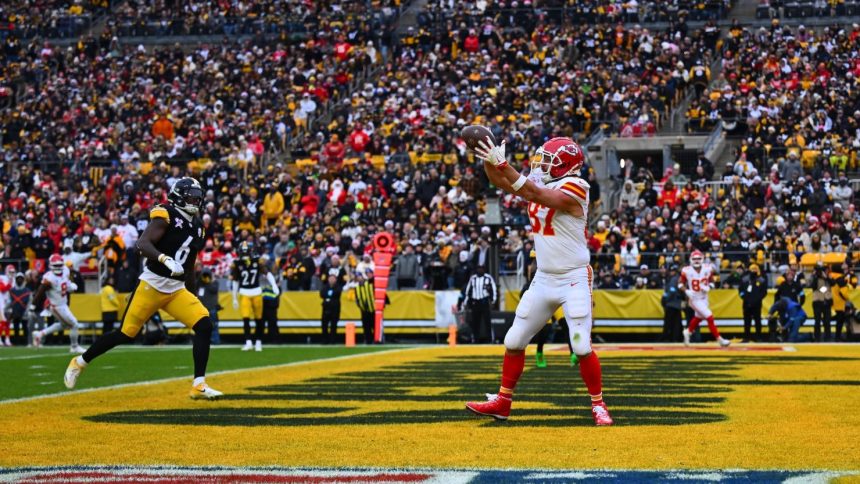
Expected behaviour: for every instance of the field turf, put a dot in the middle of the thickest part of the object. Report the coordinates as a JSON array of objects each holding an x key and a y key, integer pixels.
[
  {"x": 746, "y": 414},
  {"x": 38, "y": 371}
]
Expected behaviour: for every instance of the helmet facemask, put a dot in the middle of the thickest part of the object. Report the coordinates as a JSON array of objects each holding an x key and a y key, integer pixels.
[
  {"x": 548, "y": 164},
  {"x": 193, "y": 201},
  {"x": 696, "y": 261},
  {"x": 187, "y": 196}
]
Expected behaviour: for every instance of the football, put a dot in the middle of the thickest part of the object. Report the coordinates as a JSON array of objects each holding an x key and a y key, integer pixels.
[{"x": 475, "y": 133}]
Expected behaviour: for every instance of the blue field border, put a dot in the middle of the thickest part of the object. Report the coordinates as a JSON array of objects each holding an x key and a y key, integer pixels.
[{"x": 117, "y": 473}]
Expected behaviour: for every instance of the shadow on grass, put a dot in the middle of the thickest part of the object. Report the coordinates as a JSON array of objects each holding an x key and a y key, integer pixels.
[{"x": 643, "y": 390}]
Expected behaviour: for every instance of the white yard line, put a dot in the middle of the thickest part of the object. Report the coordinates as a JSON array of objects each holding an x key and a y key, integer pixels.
[
  {"x": 123, "y": 349},
  {"x": 180, "y": 378},
  {"x": 66, "y": 353}
]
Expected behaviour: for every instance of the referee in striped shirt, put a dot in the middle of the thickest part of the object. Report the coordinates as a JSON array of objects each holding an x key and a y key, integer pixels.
[
  {"x": 480, "y": 293},
  {"x": 366, "y": 301}
]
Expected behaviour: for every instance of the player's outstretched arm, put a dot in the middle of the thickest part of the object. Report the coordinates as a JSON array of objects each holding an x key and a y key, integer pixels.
[{"x": 502, "y": 175}]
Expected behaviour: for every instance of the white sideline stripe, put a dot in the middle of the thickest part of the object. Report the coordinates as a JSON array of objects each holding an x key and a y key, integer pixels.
[
  {"x": 66, "y": 353},
  {"x": 178, "y": 378},
  {"x": 814, "y": 478},
  {"x": 129, "y": 349}
]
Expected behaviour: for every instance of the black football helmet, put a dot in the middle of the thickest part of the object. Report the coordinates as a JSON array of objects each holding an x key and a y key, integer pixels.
[
  {"x": 246, "y": 250},
  {"x": 187, "y": 195}
]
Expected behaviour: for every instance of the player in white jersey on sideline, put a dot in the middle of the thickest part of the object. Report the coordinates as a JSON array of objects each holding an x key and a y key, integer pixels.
[
  {"x": 56, "y": 286},
  {"x": 558, "y": 210},
  {"x": 695, "y": 282}
]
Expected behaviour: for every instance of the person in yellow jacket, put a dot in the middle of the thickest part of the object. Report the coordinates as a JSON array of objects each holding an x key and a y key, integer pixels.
[
  {"x": 110, "y": 306},
  {"x": 843, "y": 285},
  {"x": 273, "y": 205}
]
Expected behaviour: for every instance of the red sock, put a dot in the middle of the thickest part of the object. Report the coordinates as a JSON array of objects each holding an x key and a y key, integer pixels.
[
  {"x": 589, "y": 369},
  {"x": 713, "y": 327},
  {"x": 512, "y": 368},
  {"x": 694, "y": 323},
  {"x": 4, "y": 328}
]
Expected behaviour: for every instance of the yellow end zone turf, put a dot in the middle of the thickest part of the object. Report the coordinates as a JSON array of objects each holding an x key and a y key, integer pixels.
[{"x": 675, "y": 409}]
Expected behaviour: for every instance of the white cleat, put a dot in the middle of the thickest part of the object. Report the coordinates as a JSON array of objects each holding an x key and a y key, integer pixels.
[
  {"x": 724, "y": 342},
  {"x": 204, "y": 392},
  {"x": 686, "y": 334},
  {"x": 77, "y": 349},
  {"x": 73, "y": 371},
  {"x": 37, "y": 339},
  {"x": 248, "y": 346},
  {"x": 258, "y": 346}
]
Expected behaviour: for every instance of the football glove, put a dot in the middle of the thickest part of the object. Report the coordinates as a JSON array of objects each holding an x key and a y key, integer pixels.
[
  {"x": 174, "y": 267},
  {"x": 235, "y": 303},
  {"x": 489, "y": 152}
]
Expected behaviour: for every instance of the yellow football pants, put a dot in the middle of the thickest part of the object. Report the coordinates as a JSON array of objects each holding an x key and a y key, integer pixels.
[
  {"x": 145, "y": 301},
  {"x": 251, "y": 307}
]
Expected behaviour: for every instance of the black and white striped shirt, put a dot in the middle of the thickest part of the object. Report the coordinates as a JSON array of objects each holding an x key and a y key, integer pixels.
[{"x": 480, "y": 288}]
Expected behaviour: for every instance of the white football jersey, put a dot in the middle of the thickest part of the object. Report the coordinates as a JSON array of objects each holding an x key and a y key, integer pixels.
[
  {"x": 59, "y": 286},
  {"x": 697, "y": 282},
  {"x": 561, "y": 238}
]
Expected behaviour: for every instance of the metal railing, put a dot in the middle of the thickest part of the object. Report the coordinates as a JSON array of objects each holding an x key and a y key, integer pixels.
[
  {"x": 725, "y": 261},
  {"x": 715, "y": 186},
  {"x": 64, "y": 27},
  {"x": 714, "y": 137},
  {"x": 183, "y": 25}
]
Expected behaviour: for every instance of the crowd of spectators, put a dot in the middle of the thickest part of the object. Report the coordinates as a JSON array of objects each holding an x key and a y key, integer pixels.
[
  {"x": 525, "y": 13},
  {"x": 472, "y": 68},
  {"x": 105, "y": 103},
  {"x": 24, "y": 19},
  {"x": 305, "y": 223},
  {"x": 791, "y": 92},
  {"x": 772, "y": 221},
  {"x": 255, "y": 17}
]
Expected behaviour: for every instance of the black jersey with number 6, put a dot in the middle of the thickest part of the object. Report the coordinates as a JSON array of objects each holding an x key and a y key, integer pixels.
[
  {"x": 182, "y": 240},
  {"x": 247, "y": 273}
]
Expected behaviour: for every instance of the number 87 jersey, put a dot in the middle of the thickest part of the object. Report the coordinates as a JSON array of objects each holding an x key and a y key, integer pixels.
[
  {"x": 561, "y": 238},
  {"x": 182, "y": 240}
]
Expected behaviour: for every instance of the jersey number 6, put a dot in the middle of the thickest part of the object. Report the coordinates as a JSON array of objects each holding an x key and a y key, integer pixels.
[{"x": 183, "y": 251}]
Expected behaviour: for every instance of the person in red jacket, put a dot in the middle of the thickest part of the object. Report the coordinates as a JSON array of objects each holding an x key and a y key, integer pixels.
[
  {"x": 358, "y": 139},
  {"x": 209, "y": 256},
  {"x": 342, "y": 49},
  {"x": 472, "y": 43},
  {"x": 669, "y": 196},
  {"x": 334, "y": 151},
  {"x": 310, "y": 202}
]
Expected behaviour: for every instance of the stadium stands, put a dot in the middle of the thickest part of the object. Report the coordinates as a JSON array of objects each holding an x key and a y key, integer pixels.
[
  {"x": 25, "y": 19},
  {"x": 790, "y": 101},
  {"x": 288, "y": 18},
  {"x": 95, "y": 130}
]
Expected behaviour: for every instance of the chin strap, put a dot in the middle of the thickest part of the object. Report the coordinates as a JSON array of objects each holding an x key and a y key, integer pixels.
[{"x": 185, "y": 213}]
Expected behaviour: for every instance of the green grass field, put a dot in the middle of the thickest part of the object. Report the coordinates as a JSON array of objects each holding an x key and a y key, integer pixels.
[{"x": 39, "y": 371}]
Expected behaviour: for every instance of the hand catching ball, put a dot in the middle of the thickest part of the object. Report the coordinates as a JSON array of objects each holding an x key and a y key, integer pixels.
[{"x": 474, "y": 134}]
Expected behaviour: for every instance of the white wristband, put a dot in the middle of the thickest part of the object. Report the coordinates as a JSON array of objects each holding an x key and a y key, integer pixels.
[{"x": 519, "y": 183}]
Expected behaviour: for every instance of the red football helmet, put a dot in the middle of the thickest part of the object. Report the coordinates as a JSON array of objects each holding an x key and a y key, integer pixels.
[
  {"x": 696, "y": 258},
  {"x": 558, "y": 157},
  {"x": 55, "y": 262}
]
